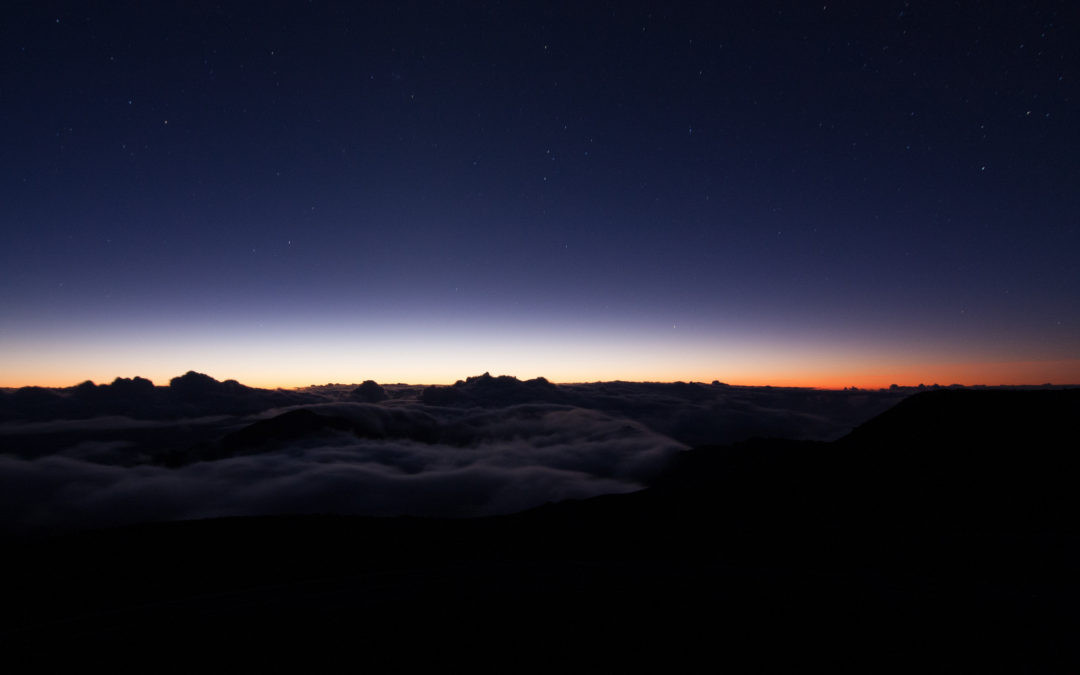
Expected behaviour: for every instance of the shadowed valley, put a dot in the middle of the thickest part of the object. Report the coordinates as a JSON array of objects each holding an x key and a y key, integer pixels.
[{"x": 938, "y": 530}]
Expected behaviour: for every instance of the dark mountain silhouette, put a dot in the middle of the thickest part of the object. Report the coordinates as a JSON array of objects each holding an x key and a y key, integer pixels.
[
  {"x": 888, "y": 550},
  {"x": 972, "y": 417},
  {"x": 34, "y": 403},
  {"x": 369, "y": 391},
  {"x": 940, "y": 460},
  {"x": 192, "y": 385},
  {"x": 487, "y": 391},
  {"x": 196, "y": 394},
  {"x": 189, "y": 395},
  {"x": 134, "y": 397}
]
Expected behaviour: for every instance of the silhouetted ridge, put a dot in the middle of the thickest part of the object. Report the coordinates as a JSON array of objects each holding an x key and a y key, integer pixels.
[
  {"x": 134, "y": 397},
  {"x": 946, "y": 459},
  {"x": 487, "y": 391},
  {"x": 369, "y": 391},
  {"x": 191, "y": 394},
  {"x": 192, "y": 385},
  {"x": 971, "y": 417},
  {"x": 129, "y": 388},
  {"x": 35, "y": 403}
]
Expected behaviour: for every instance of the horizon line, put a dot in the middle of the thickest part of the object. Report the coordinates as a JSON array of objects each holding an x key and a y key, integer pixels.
[{"x": 785, "y": 383}]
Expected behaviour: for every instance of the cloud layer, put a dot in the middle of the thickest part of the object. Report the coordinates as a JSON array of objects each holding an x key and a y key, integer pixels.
[
  {"x": 476, "y": 464},
  {"x": 129, "y": 452}
]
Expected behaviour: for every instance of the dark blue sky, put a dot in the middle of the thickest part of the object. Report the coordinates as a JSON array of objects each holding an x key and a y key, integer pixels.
[{"x": 770, "y": 192}]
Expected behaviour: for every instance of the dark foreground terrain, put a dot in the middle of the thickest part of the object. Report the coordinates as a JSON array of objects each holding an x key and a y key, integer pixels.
[{"x": 938, "y": 537}]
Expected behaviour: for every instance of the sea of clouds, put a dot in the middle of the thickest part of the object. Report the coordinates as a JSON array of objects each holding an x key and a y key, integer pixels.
[{"x": 486, "y": 446}]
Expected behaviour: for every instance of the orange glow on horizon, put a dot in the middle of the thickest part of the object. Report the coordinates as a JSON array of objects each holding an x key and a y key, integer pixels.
[{"x": 1015, "y": 373}]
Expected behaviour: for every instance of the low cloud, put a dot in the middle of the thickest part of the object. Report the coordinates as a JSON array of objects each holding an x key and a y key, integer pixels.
[
  {"x": 483, "y": 464},
  {"x": 488, "y": 445}
]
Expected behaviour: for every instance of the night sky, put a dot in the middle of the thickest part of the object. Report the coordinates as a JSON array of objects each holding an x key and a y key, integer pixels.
[{"x": 759, "y": 193}]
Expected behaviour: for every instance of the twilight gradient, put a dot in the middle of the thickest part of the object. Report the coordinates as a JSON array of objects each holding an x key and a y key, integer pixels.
[{"x": 775, "y": 194}]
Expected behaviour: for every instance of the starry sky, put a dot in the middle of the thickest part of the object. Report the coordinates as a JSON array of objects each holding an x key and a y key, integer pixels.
[{"x": 782, "y": 193}]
